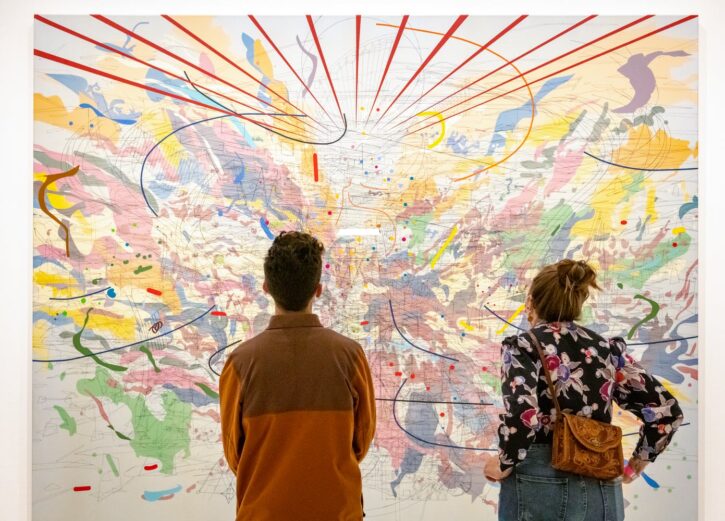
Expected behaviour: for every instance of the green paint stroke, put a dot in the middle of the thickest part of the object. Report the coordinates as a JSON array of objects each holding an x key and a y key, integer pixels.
[
  {"x": 207, "y": 391},
  {"x": 69, "y": 422},
  {"x": 141, "y": 269},
  {"x": 652, "y": 314},
  {"x": 87, "y": 352},
  {"x": 152, "y": 437},
  {"x": 146, "y": 350},
  {"x": 112, "y": 464}
]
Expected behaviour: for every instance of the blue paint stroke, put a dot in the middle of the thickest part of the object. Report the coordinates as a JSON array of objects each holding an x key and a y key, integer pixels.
[
  {"x": 508, "y": 119},
  {"x": 395, "y": 417},
  {"x": 57, "y": 360},
  {"x": 392, "y": 315},
  {"x": 265, "y": 228},
  {"x": 156, "y": 495},
  {"x": 651, "y": 482},
  {"x": 197, "y": 398},
  {"x": 248, "y": 42},
  {"x": 687, "y": 207},
  {"x": 102, "y": 115},
  {"x": 312, "y": 57}
]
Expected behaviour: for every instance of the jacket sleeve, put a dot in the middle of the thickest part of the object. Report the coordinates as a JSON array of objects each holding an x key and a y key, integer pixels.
[
  {"x": 230, "y": 404},
  {"x": 643, "y": 395},
  {"x": 364, "y": 407},
  {"x": 519, "y": 422}
]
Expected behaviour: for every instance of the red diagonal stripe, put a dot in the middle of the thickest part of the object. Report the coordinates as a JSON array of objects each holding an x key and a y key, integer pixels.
[
  {"x": 147, "y": 64},
  {"x": 232, "y": 63},
  {"x": 471, "y": 57},
  {"x": 607, "y": 35},
  {"x": 423, "y": 65},
  {"x": 324, "y": 62},
  {"x": 646, "y": 35},
  {"x": 281, "y": 55},
  {"x": 140, "y": 38},
  {"x": 80, "y": 66},
  {"x": 358, "y": 19},
  {"x": 545, "y": 42},
  {"x": 387, "y": 65}
]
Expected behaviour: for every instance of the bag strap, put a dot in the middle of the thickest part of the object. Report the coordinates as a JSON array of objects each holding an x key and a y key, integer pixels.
[{"x": 552, "y": 390}]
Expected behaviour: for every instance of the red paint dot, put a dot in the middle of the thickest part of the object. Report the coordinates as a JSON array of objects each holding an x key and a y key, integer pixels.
[
  {"x": 451, "y": 367},
  {"x": 412, "y": 376},
  {"x": 443, "y": 414},
  {"x": 623, "y": 222},
  {"x": 391, "y": 364},
  {"x": 484, "y": 369},
  {"x": 327, "y": 266},
  {"x": 398, "y": 373},
  {"x": 378, "y": 109},
  {"x": 266, "y": 221},
  {"x": 427, "y": 387},
  {"x": 404, "y": 239},
  {"x": 329, "y": 212},
  {"x": 674, "y": 245}
]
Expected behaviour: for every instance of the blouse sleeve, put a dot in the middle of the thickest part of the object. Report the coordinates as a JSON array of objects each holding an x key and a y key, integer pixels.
[
  {"x": 519, "y": 378},
  {"x": 643, "y": 395}
]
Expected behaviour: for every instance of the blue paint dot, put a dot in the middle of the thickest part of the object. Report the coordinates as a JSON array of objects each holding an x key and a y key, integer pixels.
[
  {"x": 126, "y": 244},
  {"x": 463, "y": 334},
  {"x": 91, "y": 125},
  {"x": 411, "y": 178},
  {"x": 111, "y": 292},
  {"x": 220, "y": 213},
  {"x": 70, "y": 123}
]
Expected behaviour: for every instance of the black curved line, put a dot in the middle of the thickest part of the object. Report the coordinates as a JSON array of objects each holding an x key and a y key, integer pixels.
[
  {"x": 81, "y": 296},
  {"x": 58, "y": 360},
  {"x": 216, "y": 353},
  {"x": 395, "y": 417},
  {"x": 482, "y": 404},
  {"x": 392, "y": 315},
  {"x": 635, "y": 168},
  {"x": 628, "y": 343},
  {"x": 344, "y": 118},
  {"x": 501, "y": 318}
]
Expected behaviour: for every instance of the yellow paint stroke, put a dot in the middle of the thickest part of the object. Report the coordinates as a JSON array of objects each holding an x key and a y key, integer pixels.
[
  {"x": 443, "y": 126},
  {"x": 678, "y": 230},
  {"x": 518, "y": 71},
  {"x": 466, "y": 325},
  {"x": 680, "y": 397},
  {"x": 437, "y": 256},
  {"x": 511, "y": 318}
]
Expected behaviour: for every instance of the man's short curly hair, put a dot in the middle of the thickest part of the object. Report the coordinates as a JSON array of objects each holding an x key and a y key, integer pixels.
[{"x": 292, "y": 268}]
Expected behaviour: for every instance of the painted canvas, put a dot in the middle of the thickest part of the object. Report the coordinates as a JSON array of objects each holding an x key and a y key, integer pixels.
[{"x": 441, "y": 160}]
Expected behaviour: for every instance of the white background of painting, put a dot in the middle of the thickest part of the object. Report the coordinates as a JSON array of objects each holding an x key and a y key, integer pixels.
[{"x": 16, "y": 197}]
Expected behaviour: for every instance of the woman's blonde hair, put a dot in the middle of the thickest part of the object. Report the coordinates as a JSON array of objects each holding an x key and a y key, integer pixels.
[{"x": 559, "y": 290}]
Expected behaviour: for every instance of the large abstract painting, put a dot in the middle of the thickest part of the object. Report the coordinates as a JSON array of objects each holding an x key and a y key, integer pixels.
[{"x": 441, "y": 160}]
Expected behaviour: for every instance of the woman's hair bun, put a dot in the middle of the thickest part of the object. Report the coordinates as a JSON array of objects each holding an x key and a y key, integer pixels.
[{"x": 577, "y": 275}]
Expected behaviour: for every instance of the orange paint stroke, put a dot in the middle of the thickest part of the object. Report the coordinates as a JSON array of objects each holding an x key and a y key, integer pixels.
[
  {"x": 51, "y": 178},
  {"x": 521, "y": 75}
]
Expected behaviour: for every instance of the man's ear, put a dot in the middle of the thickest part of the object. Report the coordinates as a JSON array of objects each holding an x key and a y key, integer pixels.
[
  {"x": 265, "y": 287},
  {"x": 318, "y": 291}
]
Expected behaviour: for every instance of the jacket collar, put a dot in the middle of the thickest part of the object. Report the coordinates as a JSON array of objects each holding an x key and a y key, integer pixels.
[{"x": 294, "y": 320}]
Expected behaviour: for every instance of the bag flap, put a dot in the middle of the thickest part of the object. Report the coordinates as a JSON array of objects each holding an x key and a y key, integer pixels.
[{"x": 594, "y": 435}]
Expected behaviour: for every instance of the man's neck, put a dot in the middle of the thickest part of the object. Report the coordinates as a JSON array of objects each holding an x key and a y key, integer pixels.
[{"x": 281, "y": 311}]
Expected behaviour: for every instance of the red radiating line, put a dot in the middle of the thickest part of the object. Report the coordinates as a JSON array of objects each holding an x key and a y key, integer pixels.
[
  {"x": 471, "y": 57},
  {"x": 274, "y": 46},
  {"x": 219, "y": 313},
  {"x": 314, "y": 165},
  {"x": 324, "y": 62},
  {"x": 76, "y": 65},
  {"x": 147, "y": 64},
  {"x": 545, "y": 42},
  {"x": 423, "y": 65},
  {"x": 154, "y": 291},
  {"x": 647, "y": 35},
  {"x": 358, "y": 19},
  {"x": 387, "y": 65},
  {"x": 610, "y": 33},
  {"x": 233, "y": 64},
  {"x": 179, "y": 58},
  {"x": 83, "y": 488}
]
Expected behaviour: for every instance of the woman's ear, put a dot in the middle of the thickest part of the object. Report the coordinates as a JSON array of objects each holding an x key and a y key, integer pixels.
[
  {"x": 318, "y": 291},
  {"x": 265, "y": 288}
]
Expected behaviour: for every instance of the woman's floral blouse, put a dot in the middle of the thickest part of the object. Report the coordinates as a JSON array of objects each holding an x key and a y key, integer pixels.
[{"x": 589, "y": 373}]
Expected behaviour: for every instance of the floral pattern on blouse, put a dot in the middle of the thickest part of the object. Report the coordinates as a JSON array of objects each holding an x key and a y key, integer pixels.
[{"x": 588, "y": 372}]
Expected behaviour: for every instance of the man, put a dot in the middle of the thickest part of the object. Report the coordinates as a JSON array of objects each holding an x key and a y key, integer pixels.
[{"x": 297, "y": 402}]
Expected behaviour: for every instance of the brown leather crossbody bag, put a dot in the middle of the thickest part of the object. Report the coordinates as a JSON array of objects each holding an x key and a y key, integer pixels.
[{"x": 582, "y": 445}]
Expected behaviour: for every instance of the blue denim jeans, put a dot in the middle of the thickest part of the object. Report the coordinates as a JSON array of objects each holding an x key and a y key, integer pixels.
[{"x": 537, "y": 492}]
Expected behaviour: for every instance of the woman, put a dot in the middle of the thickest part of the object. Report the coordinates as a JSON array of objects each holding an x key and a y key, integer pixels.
[{"x": 589, "y": 373}]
